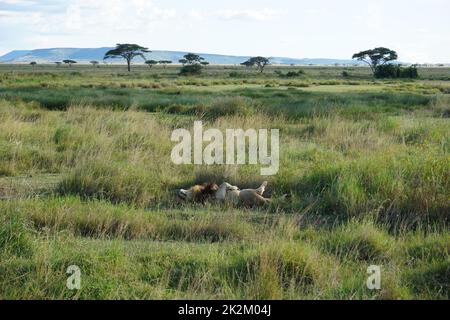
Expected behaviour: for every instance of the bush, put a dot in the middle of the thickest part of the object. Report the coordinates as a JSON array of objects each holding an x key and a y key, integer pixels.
[
  {"x": 290, "y": 74},
  {"x": 190, "y": 70},
  {"x": 410, "y": 72},
  {"x": 396, "y": 71}
]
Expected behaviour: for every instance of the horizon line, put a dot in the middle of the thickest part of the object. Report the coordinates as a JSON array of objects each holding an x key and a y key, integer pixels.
[{"x": 208, "y": 53}]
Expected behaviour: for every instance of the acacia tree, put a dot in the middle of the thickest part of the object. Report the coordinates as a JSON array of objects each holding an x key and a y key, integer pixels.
[
  {"x": 259, "y": 62},
  {"x": 192, "y": 58},
  {"x": 204, "y": 63},
  {"x": 69, "y": 62},
  {"x": 192, "y": 64},
  {"x": 33, "y": 63},
  {"x": 58, "y": 63},
  {"x": 127, "y": 51},
  {"x": 376, "y": 57},
  {"x": 94, "y": 63},
  {"x": 164, "y": 62},
  {"x": 151, "y": 63}
]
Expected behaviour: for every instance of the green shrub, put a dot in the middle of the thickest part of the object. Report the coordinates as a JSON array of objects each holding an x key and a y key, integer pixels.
[
  {"x": 396, "y": 71},
  {"x": 290, "y": 74},
  {"x": 191, "y": 70}
]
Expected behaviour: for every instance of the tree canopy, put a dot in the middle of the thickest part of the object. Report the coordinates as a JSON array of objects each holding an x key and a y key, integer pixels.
[
  {"x": 69, "y": 62},
  {"x": 127, "y": 51},
  {"x": 259, "y": 62},
  {"x": 376, "y": 57},
  {"x": 164, "y": 62},
  {"x": 192, "y": 64},
  {"x": 151, "y": 63},
  {"x": 192, "y": 58}
]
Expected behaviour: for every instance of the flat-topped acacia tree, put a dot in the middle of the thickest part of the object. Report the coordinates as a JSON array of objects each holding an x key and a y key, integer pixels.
[
  {"x": 127, "y": 51},
  {"x": 69, "y": 62},
  {"x": 376, "y": 57},
  {"x": 259, "y": 62},
  {"x": 164, "y": 62},
  {"x": 192, "y": 64},
  {"x": 192, "y": 58},
  {"x": 151, "y": 63}
]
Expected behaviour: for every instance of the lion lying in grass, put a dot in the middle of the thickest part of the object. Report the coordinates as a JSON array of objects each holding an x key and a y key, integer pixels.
[
  {"x": 198, "y": 193},
  {"x": 225, "y": 193}
]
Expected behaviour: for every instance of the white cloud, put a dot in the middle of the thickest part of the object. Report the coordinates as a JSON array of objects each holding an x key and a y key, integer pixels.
[
  {"x": 196, "y": 14},
  {"x": 249, "y": 14},
  {"x": 91, "y": 16},
  {"x": 231, "y": 14},
  {"x": 18, "y": 2}
]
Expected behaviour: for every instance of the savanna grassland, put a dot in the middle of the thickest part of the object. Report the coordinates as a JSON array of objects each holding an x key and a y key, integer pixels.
[{"x": 86, "y": 179}]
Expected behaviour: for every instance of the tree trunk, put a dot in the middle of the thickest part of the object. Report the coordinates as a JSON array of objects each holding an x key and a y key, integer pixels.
[{"x": 129, "y": 65}]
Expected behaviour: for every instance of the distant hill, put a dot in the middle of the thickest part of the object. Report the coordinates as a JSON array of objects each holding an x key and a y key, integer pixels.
[
  {"x": 84, "y": 55},
  {"x": 11, "y": 56}
]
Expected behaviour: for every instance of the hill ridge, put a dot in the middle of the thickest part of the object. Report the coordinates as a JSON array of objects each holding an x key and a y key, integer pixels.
[{"x": 84, "y": 55}]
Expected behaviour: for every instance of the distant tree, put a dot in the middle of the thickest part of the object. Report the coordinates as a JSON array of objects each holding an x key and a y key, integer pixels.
[
  {"x": 259, "y": 62},
  {"x": 164, "y": 62},
  {"x": 151, "y": 63},
  {"x": 94, "y": 63},
  {"x": 33, "y": 63},
  {"x": 69, "y": 62},
  {"x": 192, "y": 58},
  {"x": 192, "y": 64},
  {"x": 58, "y": 63},
  {"x": 204, "y": 63},
  {"x": 376, "y": 57},
  {"x": 127, "y": 51}
]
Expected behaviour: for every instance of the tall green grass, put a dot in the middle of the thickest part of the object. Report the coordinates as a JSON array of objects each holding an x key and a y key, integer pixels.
[{"x": 86, "y": 179}]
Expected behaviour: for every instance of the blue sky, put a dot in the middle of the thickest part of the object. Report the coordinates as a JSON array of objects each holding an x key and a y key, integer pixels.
[{"x": 419, "y": 30}]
